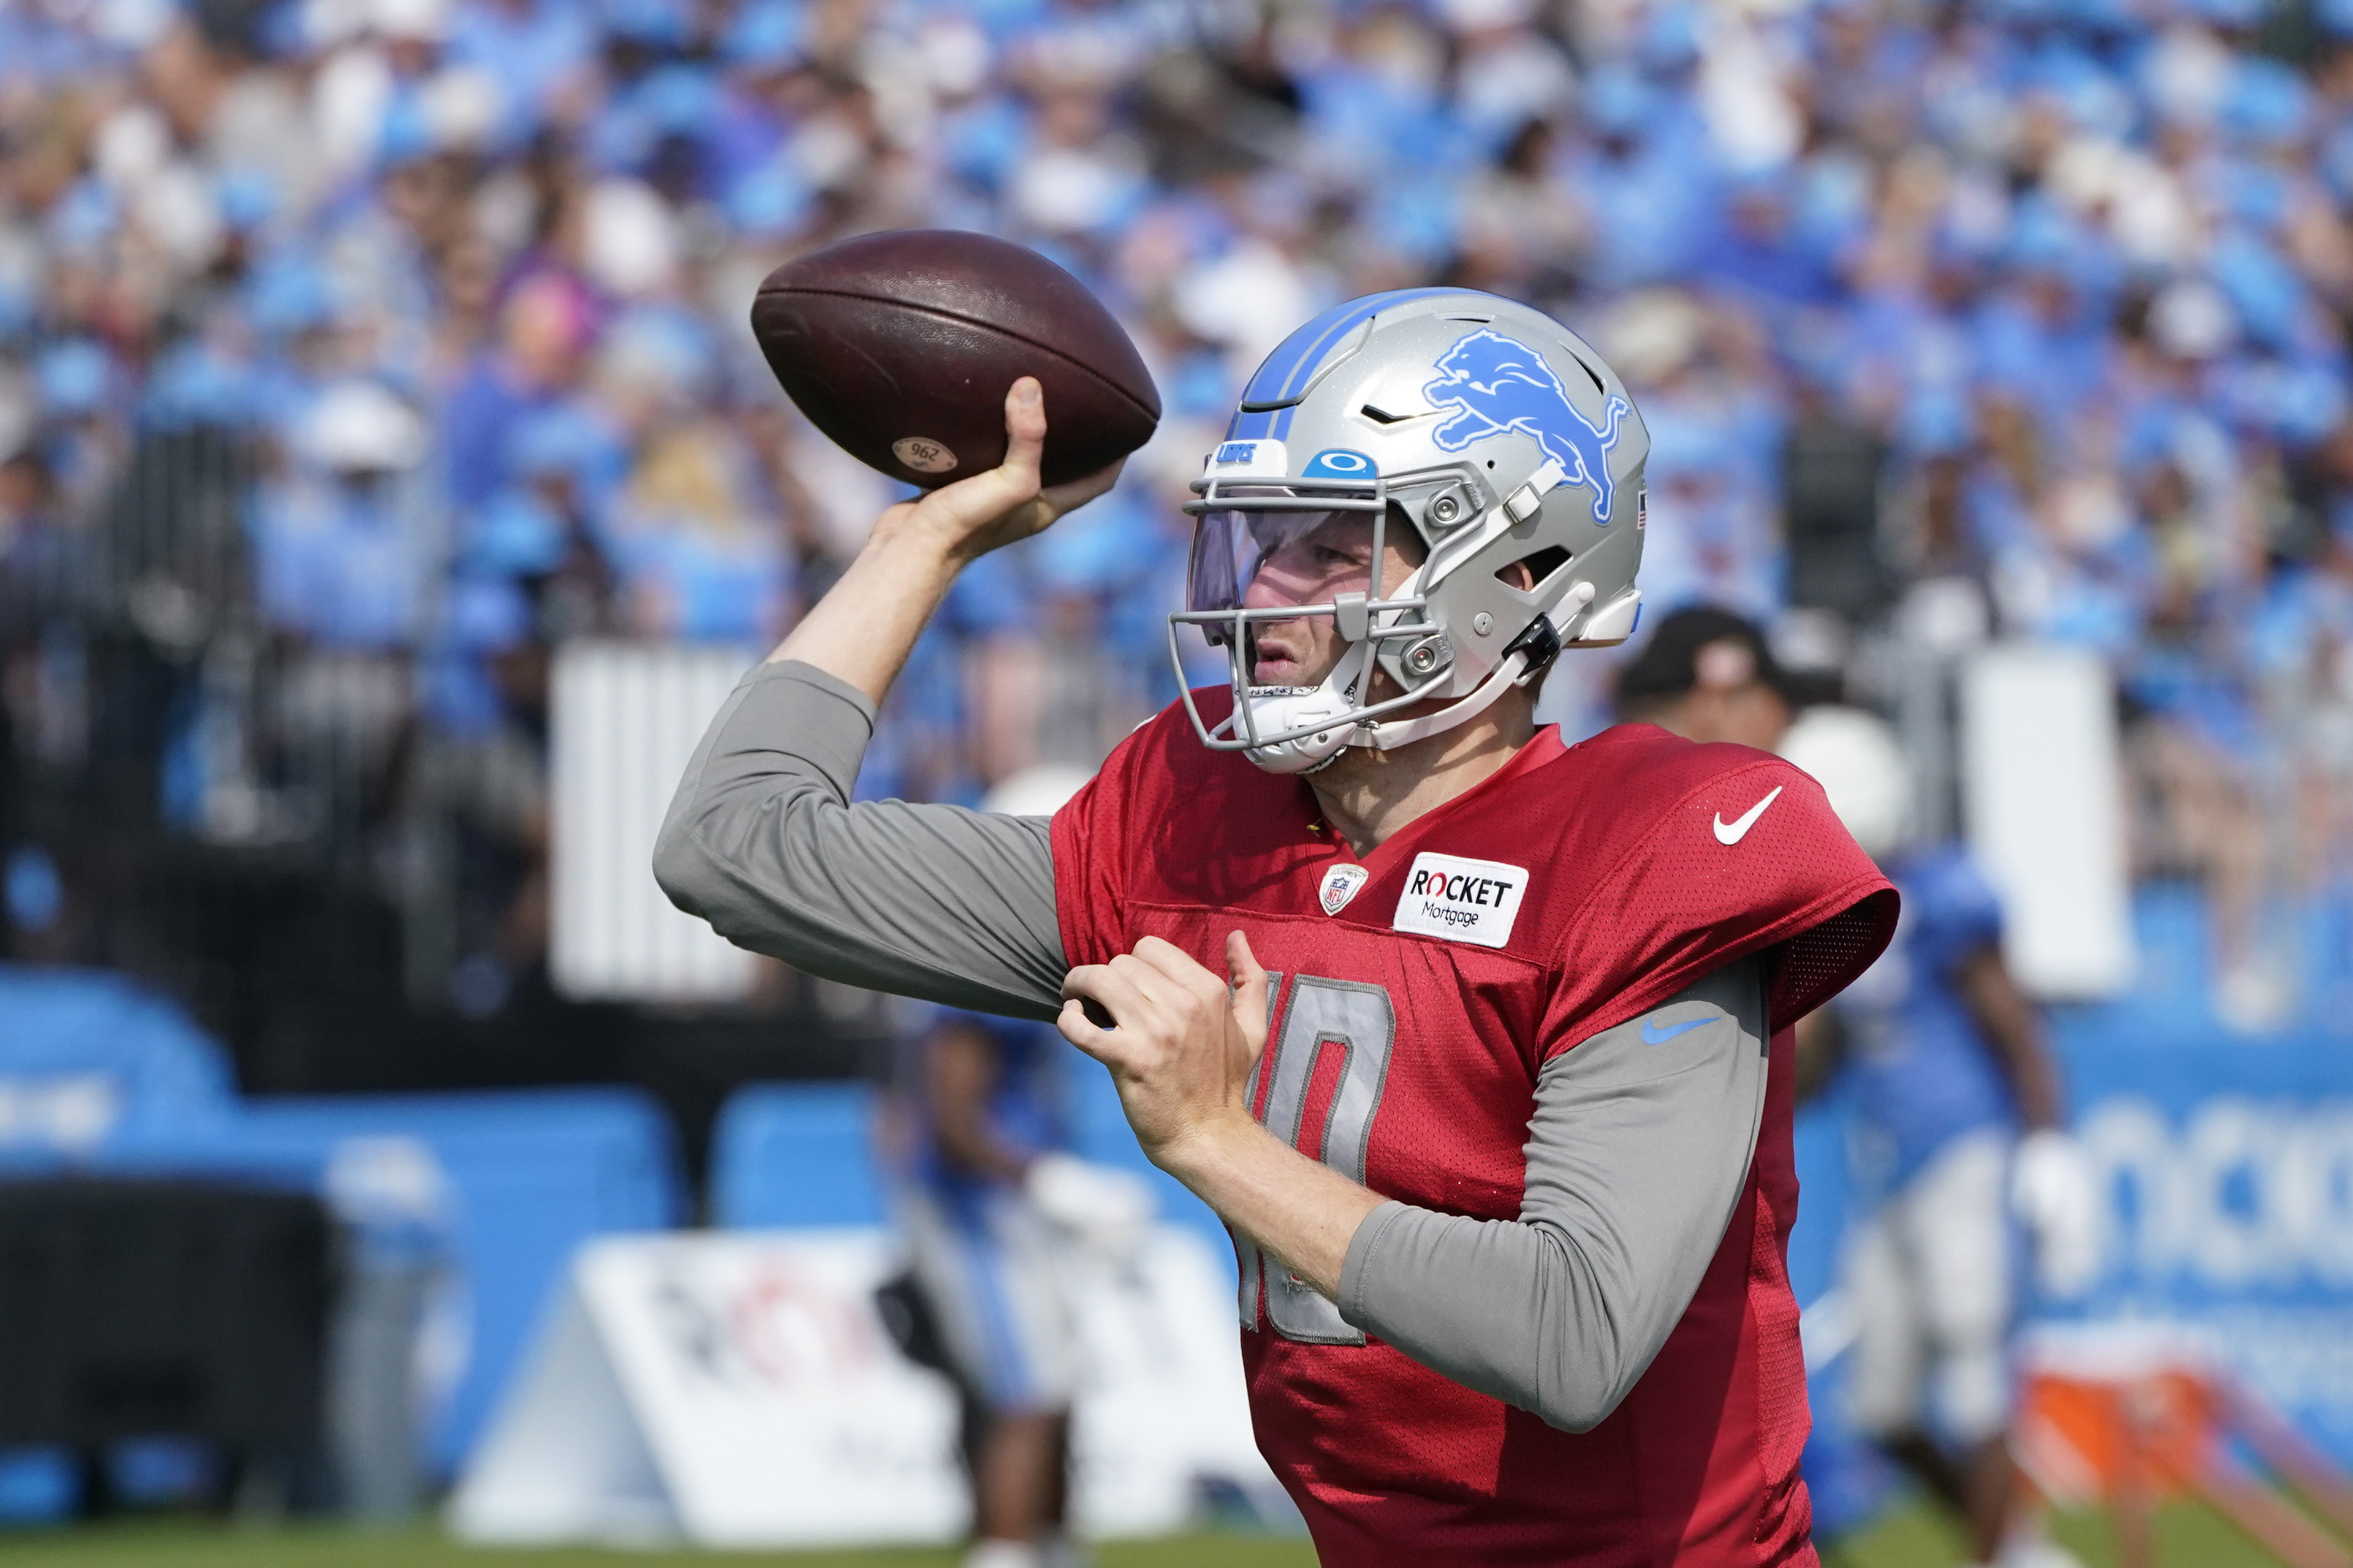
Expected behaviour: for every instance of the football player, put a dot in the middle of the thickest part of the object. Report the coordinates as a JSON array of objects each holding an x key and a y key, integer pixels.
[
  {"x": 1951, "y": 1067},
  {"x": 1959, "y": 1124},
  {"x": 1477, "y": 1041},
  {"x": 993, "y": 1205},
  {"x": 1708, "y": 673}
]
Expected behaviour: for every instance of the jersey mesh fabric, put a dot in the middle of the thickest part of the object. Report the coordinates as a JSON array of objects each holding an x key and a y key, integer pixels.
[
  {"x": 1784, "y": 1521},
  {"x": 1810, "y": 972},
  {"x": 1630, "y": 895},
  {"x": 1783, "y": 1417}
]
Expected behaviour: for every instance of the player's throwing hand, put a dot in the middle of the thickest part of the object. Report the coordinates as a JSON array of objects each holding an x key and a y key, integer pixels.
[
  {"x": 862, "y": 634},
  {"x": 971, "y": 517},
  {"x": 1184, "y": 1043}
]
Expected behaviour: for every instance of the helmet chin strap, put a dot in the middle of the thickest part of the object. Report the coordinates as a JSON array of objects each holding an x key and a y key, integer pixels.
[
  {"x": 1276, "y": 712},
  {"x": 1388, "y": 736},
  {"x": 1529, "y": 653}
]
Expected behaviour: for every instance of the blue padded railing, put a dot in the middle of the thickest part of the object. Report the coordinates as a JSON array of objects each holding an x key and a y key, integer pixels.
[{"x": 790, "y": 1155}]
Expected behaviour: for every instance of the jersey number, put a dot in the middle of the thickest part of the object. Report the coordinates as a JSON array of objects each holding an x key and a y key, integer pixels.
[{"x": 1323, "y": 1019}]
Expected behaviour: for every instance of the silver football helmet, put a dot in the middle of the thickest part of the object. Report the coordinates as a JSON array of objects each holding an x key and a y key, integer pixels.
[{"x": 1492, "y": 432}]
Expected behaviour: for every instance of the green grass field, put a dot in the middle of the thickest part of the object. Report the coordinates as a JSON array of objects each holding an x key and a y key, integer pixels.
[{"x": 2189, "y": 1537}]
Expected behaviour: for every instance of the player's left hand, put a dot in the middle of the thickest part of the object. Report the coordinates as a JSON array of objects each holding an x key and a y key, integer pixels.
[{"x": 1184, "y": 1043}]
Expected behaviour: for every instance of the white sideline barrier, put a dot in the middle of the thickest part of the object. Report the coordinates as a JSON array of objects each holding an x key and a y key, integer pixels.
[
  {"x": 738, "y": 1389},
  {"x": 622, "y": 722},
  {"x": 2042, "y": 793}
]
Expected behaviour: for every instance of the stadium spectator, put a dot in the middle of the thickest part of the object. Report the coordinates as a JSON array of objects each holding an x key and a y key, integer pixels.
[{"x": 1959, "y": 1124}]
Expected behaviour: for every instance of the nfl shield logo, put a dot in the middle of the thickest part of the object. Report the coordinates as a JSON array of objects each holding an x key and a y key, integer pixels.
[{"x": 1340, "y": 885}]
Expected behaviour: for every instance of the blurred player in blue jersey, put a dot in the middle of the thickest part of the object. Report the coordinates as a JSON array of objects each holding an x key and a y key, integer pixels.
[
  {"x": 983, "y": 1108},
  {"x": 1959, "y": 1119},
  {"x": 995, "y": 1207},
  {"x": 1959, "y": 1102}
]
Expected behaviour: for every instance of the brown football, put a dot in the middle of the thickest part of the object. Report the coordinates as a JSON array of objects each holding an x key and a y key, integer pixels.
[{"x": 900, "y": 345}]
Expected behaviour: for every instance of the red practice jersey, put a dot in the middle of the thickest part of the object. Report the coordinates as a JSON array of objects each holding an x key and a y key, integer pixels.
[{"x": 1419, "y": 991}]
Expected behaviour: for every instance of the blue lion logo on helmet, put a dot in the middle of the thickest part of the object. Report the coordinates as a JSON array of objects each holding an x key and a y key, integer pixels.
[{"x": 1500, "y": 384}]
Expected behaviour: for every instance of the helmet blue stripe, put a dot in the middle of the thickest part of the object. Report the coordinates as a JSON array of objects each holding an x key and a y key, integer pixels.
[
  {"x": 1265, "y": 383},
  {"x": 1290, "y": 366}
]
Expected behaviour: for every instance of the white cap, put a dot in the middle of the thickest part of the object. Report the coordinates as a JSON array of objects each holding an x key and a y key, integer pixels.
[
  {"x": 2191, "y": 319},
  {"x": 632, "y": 239},
  {"x": 1854, "y": 756}
]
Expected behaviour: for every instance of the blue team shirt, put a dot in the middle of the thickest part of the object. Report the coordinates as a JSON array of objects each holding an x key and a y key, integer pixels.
[
  {"x": 1027, "y": 1110},
  {"x": 1924, "y": 1073}
]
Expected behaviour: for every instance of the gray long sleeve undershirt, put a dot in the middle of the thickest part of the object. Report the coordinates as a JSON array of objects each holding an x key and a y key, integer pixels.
[
  {"x": 1636, "y": 1155},
  {"x": 933, "y": 901}
]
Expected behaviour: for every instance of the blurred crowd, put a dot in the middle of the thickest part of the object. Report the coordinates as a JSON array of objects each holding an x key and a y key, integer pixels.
[{"x": 356, "y": 353}]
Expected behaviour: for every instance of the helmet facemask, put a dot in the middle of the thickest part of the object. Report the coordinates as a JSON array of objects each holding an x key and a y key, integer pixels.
[{"x": 1384, "y": 629}]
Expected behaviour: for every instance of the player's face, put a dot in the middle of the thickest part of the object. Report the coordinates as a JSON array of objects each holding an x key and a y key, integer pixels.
[{"x": 1310, "y": 562}]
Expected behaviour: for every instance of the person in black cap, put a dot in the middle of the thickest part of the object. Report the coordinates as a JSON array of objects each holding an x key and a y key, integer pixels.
[{"x": 1708, "y": 675}]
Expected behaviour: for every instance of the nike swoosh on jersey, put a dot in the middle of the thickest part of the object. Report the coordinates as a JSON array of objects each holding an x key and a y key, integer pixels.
[
  {"x": 1654, "y": 1035},
  {"x": 1734, "y": 832}
]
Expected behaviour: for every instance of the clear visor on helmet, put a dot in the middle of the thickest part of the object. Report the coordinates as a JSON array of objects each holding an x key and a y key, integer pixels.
[
  {"x": 1230, "y": 546},
  {"x": 1320, "y": 554}
]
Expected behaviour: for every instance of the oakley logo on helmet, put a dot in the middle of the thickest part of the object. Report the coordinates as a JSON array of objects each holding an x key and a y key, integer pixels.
[
  {"x": 1338, "y": 463},
  {"x": 1500, "y": 384}
]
